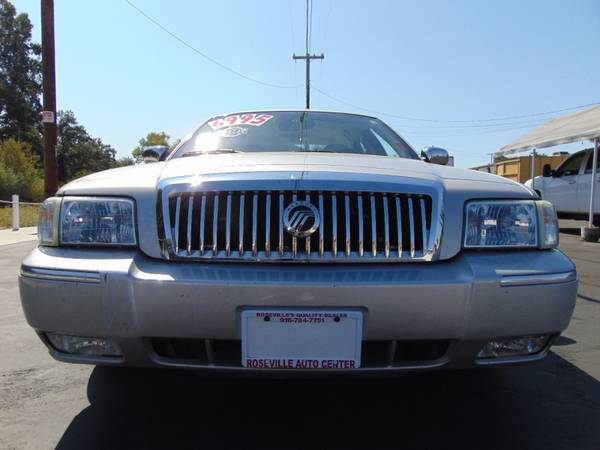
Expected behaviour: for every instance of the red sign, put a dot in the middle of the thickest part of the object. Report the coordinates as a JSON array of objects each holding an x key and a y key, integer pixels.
[{"x": 47, "y": 116}]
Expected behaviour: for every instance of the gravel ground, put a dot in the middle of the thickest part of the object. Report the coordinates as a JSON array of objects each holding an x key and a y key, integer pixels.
[{"x": 554, "y": 404}]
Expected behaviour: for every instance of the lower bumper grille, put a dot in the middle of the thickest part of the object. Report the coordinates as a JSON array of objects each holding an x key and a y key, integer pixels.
[{"x": 222, "y": 352}]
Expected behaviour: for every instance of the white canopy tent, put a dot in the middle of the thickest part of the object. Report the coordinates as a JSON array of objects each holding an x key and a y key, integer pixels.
[{"x": 580, "y": 126}]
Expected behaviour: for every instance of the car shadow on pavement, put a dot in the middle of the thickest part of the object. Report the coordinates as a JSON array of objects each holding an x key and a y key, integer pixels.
[{"x": 548, "y": 405}]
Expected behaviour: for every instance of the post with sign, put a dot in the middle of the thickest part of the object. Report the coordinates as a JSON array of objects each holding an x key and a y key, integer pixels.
[{"x": 49, "y": 97}]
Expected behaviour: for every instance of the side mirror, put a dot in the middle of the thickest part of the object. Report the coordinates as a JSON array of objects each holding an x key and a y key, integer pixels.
[
  {"x": 547, "y": 171},
  {"x": 435, "y": 155},
  {"x": 154, "y": 153}
]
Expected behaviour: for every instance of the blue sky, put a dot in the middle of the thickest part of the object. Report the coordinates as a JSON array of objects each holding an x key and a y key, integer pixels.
[{"x": 435, "y": 59}]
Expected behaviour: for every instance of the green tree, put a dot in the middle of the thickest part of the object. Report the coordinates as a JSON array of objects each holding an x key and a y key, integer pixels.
[
  {"x": 19, "y": 173},
  {"x": 80, "y": 154},
  {"x": 152, "y": 138},
  {"x": 124, "y": 161},
  {"x": 20, "y": 78}
]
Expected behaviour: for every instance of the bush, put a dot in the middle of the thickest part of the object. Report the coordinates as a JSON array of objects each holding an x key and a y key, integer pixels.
[
  {"x": 28, "y": 216},
  {"x": 10, "y": 182},
  {"x": 19, "y": 173}
]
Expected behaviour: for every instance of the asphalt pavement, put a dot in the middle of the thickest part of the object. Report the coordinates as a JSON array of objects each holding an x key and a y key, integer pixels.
[{"x": 553, "y": 404}]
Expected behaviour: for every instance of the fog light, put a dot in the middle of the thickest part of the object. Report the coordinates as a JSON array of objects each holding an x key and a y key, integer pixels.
[
  {"x": 81, "y": 345},
  {"x": 520, "y": 346}
]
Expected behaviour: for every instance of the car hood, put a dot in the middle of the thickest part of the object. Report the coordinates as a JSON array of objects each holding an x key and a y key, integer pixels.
[
  {"x": 149, "y": 175},
  {"x": 454, "y": 186}
]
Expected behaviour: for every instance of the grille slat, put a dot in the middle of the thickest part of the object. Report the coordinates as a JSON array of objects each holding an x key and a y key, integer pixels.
[
  {"x": 411, "y": 218},
  {"x": 215, "y": 225},
  {"x": 241, "y": 220},
  {"x": 307, "y": 240},
  {"x": 226, "y": 352},
  {"x": 294, "y": 239},
  {"x": 373, "y": 226},
  {"x": 399, "y": 225},
  {"x": 177, "y": 218},
  {"x": 347, "y": 211},
  {"x": 189, "y": 224},
  {"x": 321, "y": 231},
  {"x": 268, "y": 225},
  {"x": 281, "y": 243},
  {"x": 209, "y": 225},
  {"x": 423, "y": 221},
  {"x": 254, "y": 224},
  {"x": 334, "y": 223},
  {"x": 202, "y": 222}
]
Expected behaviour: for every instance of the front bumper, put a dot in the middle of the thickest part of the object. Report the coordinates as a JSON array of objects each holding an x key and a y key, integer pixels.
[{"x": 135, "y": 300}]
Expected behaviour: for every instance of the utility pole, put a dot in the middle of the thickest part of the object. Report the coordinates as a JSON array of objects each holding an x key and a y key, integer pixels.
[
  {"x": 49, "y": 97},
  {"x": 308, "y": 58}
]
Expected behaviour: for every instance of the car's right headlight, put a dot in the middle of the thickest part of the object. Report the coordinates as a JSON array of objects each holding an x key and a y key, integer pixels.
[
  {"x": 510, "y": 224},
  {"x": 87, "y": 221}
]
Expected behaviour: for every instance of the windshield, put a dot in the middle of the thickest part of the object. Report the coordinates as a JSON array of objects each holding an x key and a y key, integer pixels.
[{"x": 296, "y": 131}]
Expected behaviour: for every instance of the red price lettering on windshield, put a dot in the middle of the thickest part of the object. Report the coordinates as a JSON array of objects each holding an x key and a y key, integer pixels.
[{"x": 256, "y": 120}]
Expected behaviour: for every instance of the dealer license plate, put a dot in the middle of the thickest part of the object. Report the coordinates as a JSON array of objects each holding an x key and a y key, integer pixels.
[{"x": 301, "y": 339}]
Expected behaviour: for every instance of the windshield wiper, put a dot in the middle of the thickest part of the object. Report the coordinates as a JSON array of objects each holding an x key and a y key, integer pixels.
[
  {"x": 210, "y": 152},
  {"x": 315, "y": 151}
]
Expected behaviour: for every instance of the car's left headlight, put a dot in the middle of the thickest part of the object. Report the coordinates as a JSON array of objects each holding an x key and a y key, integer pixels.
[
  {"x": 93, "y": 221},
  {"x": 510, "y": 224}
]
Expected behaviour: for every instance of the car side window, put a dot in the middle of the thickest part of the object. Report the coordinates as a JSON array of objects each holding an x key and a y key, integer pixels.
[
  {"x": 572, "y": 165},
  {"x": 588, "y": 166}
]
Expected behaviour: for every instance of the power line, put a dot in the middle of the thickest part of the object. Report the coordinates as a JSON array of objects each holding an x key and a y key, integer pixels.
[
  {"x": 465, "y": 132},
  {"x": 479, "y": 126},
  {"x": 309, "y": 57},
  {"x": 420, "y": 119},
  {"x": 204, "y": 55}
]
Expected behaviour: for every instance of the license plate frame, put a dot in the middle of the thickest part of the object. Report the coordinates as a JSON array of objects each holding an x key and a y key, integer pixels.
[{"x": 315, "y": 339}]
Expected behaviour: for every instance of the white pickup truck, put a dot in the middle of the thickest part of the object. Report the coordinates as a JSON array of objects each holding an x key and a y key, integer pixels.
[{"x": 568, "y": 187}]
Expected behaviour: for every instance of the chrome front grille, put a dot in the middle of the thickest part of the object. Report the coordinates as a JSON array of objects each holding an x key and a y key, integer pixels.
[{"x": 249, "y": 226}]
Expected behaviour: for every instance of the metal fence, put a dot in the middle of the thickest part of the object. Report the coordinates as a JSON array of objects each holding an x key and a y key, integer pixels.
[{"x": 15, "y": 203}]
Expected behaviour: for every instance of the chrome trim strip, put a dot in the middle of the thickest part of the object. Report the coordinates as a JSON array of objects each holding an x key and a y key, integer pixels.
[
  {"x": 386, "y": 223},
  {"x": 373, "y": 226},
  {"x": 361, "y": 233},
  {"x": 254, "y": 223},
  {"x": 189, "y": 224},
  {"x": 334, "y": 223},
  {"x": 202, "y": 223},
  {"x": 241, "y": 227},
  {"x": 399, "y": 224},
  {"x": 202, "y": 220},
  {"x": 322, "y": 226},
  {"x": 411, "y": 218},
  {"x": 60, "y": 275},
  {"x": 215, "y": 229},
  {"x": 423, "y": 223},
  {"x": 512, "y": 359},
  {"x": 347, "y": 210},
  {"x": 176, "y": 229},
  {"x": 280, "y": 214},
  {"x": 307, "y": 241},
  {"x": 268, "y": 225},
  {"x": 228, "y": 226},
  {"x": 294, "y": 239},
  {"x": 536, "y": 279}
]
